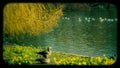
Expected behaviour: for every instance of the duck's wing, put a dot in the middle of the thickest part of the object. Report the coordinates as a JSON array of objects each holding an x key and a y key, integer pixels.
[{"x": 43, "y": 52}]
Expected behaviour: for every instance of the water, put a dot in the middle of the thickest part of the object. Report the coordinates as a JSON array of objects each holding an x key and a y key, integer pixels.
[{"x": 88, "y": 35}]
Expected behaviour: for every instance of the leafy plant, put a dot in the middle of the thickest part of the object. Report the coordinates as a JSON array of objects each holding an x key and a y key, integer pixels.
[
  {"x": 20, "y": 54},
  {"x": 30, "y": 18}
]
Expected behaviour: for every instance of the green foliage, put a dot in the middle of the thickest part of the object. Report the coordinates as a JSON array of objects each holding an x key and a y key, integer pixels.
[
  {"x": 15, "y": 54},
  {"x": 19, "y": 54},
  {"x": 30, "y": 18},
  {"x": 75, "y": 60}
]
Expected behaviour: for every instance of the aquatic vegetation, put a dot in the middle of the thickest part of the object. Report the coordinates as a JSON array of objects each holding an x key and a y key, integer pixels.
[{"x": 21, "y": 55}]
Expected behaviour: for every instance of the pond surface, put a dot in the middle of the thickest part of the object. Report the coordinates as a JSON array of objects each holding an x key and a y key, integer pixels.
[{"x": 84, "y": 33}]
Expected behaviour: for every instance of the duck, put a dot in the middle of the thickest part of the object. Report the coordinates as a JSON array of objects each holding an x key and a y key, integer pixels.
[
  {"x": 112, "y": 57},
  {"x": 46, "y": 53}
]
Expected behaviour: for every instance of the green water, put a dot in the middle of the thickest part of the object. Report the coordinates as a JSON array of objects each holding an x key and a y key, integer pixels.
[{"x": 86, "y": 33}]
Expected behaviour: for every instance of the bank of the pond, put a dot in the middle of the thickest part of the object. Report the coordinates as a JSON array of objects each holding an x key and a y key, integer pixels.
[{"x": 22, "y": 55}]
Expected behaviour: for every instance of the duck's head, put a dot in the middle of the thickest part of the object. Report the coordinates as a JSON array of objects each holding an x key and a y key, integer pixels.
[{"x": 49, "y": 48}]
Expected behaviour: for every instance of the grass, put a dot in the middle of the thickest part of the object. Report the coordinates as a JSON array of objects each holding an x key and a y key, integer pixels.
[{"x": 26, "y": 55}]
